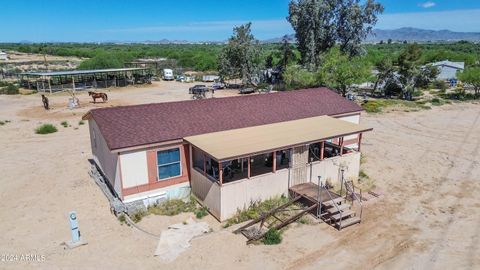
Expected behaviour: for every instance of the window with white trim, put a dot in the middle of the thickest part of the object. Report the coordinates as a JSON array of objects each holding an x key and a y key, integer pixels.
[{"x": 168, "y": 163}]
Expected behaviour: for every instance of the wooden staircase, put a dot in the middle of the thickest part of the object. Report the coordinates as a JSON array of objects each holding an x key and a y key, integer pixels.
[{"x": 338, "y": 213}]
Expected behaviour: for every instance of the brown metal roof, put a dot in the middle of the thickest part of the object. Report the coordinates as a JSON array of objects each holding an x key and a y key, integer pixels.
[
  {"x": 131, "y": 126},
  {"x": 260, "y": 139}
]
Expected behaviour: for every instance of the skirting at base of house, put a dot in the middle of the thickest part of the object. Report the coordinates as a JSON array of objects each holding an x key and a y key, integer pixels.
[{"x": 141, "y": 201}]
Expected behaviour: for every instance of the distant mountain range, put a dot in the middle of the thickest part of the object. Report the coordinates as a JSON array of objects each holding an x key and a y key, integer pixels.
[
  {"x": 422, "y": 35},
  {"x": 406, "y": 33},
  {"x": 396, "y": 35}
]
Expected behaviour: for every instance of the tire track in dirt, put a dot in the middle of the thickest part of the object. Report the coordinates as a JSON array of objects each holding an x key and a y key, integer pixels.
[
  {"x": 402, "y": 241},
  {"x": 443, "y": 233}
]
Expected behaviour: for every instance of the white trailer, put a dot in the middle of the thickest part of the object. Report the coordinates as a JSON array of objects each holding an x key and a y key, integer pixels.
[{"x": 168, "y": 75}]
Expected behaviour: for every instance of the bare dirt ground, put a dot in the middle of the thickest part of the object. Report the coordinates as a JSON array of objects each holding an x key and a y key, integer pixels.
[{"x": 426, "y": 163}]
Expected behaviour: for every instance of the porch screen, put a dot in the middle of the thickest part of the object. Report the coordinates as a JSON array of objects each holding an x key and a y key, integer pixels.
[{"x": 168, "y": 163}]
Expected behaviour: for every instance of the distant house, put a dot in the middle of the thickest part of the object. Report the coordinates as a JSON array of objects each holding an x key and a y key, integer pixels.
[
  {"x": 3, "y": 56},
  {"x": 228, "y": 152},
  {"x": 448, "y": 69}
]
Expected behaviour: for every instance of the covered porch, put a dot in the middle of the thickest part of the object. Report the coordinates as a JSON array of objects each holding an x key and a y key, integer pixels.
[{"x": 231, "y": 169}]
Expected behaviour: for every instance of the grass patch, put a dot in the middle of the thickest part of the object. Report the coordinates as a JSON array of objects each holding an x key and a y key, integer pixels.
[
  {"x": 172, "y": 207},
  {"x": 272, "y": 237},
  {"x": 306, "y": 220},
  {"x": 122, "y": 219},
  {"x": 437, "y": 101},
  {"x": 365, "y": 182},
  {"x": 81, "y": 122},
  {"x": 64, "y": 124},
  {"x": 255, "y": 210},
  {"x": 137, "y": 217},
  {"x": 363, "y": 175},
  {"x": 363, "y": 158},
  {"x": 378, "y": 105},
  {"x": 7, "y": 88},
  {"x": 201, "y": 212},
  {"x": 46, "y": 129}
]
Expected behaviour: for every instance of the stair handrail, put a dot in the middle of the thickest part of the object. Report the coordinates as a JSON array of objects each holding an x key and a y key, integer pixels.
[
  {"x": 348, "y": 186},
  {"x": 334, "y": 203}
]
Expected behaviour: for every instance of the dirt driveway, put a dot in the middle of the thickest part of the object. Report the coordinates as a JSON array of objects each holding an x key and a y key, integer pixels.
[{"x": 426, "y": 164}]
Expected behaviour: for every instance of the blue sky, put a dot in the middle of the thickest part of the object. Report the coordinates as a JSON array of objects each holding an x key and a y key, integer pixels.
[{"x": 197, "y": 20}]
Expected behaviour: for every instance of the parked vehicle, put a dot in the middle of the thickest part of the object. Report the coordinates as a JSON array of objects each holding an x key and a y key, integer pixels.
[
  {"x": 218, "y": 85},
  {"x": 210, "y": 78},
  {"x": 247, "y": 90},
  {"x": 199, "y": 88},
  {"x": 180, "y": 78},
  {"x": 168, "y": 75}
]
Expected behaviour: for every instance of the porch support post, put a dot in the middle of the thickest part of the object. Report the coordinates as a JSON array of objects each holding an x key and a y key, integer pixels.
[
  {"x": 248, "y": 175},
  {"x": 220, "y": 172},
  {"x": 322, "y": 149},
  {"x": 359, "y": 141},
  {"x": 274, "y": 161},
  {"x": 341, "y": 147}
]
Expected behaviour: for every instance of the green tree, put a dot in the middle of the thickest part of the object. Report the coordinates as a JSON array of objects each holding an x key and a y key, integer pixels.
[
  {"x": 286, "y": 54},
  {"x": 240, "y": 57},
  {"x": 339, "y": 71},
  {"x": 409, "y": 69},
  {"x": 385, "y": 70},
  {"x": 412, "y": 73},
  {"x": 319, "y": 24},
  {"x": 471, "y": 75},
  {"x": 101, "y": 61},
  {"x": 297, "y": 77}
]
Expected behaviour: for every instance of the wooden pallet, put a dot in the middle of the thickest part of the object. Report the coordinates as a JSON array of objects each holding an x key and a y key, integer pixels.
[{"x": 261, "y": 221}]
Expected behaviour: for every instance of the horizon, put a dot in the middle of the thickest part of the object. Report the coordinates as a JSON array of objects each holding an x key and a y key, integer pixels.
[{"x": 205, "y": 21}]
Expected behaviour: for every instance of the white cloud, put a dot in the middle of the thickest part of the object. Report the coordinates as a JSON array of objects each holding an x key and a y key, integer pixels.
[{"x": 427, "y": 4}]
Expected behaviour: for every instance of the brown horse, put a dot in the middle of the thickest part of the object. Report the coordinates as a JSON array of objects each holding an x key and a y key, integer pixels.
[
  {"x": 45, "y": 102},
  {"x": 96, "y": 95}
]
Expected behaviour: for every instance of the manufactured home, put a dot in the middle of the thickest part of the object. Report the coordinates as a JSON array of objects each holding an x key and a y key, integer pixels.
[
  {"x": 3, "y": 56},
  {"x": 229, "y": 151}
]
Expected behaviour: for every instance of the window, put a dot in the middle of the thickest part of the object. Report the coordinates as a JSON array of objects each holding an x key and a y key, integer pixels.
[{"x": 168, "y": 163}]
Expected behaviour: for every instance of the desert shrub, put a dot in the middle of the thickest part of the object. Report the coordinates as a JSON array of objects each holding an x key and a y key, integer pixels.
[
  {"x": 9, "y": 89},
  {"x": 2, "y": 123},
  {"x": 173, "y": 207},
  {"x": 81, "y": 122},
  {"x": 272, "y": 237},
  {"x": 441, "y": 85},
  {"x": 122, "y": 219},
  {"x": 376, "y": 106},
  {"x": 201, "y": 212},
  {"x": 437, "y": 102},
  {"x": 372, "y": 107},
  {"x": 46, "y": 129},
  {"x": 137, "y": 217},
  {"x": 256, "y": 209},
  {"x": 363, "y": 175},
  {"x": 64, "y": 124}
]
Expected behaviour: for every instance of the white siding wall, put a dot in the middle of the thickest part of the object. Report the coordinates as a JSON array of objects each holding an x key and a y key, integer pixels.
[
  {"x": 103, "y": 157},
  {"x": 134, "y": 169},
  {"x": 208, "y": 192},
  {"x": 240, "y": 194},
  {"x": 329, "y": 169},
  {"x": 355, "y": 119}
]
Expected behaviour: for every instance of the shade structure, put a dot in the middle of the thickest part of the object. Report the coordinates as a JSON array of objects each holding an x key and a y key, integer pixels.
[
  {"x": 241, "y": 142},
  {"x": 81, "y": 72}
]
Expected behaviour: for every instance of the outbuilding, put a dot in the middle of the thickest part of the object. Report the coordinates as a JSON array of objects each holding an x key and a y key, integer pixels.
[
  {"x": 3, "y": 56},
  {"x": 229, "y": 151}
]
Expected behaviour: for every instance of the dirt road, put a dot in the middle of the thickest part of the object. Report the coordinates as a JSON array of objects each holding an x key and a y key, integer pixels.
[{"x": 426, "y": 164}]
